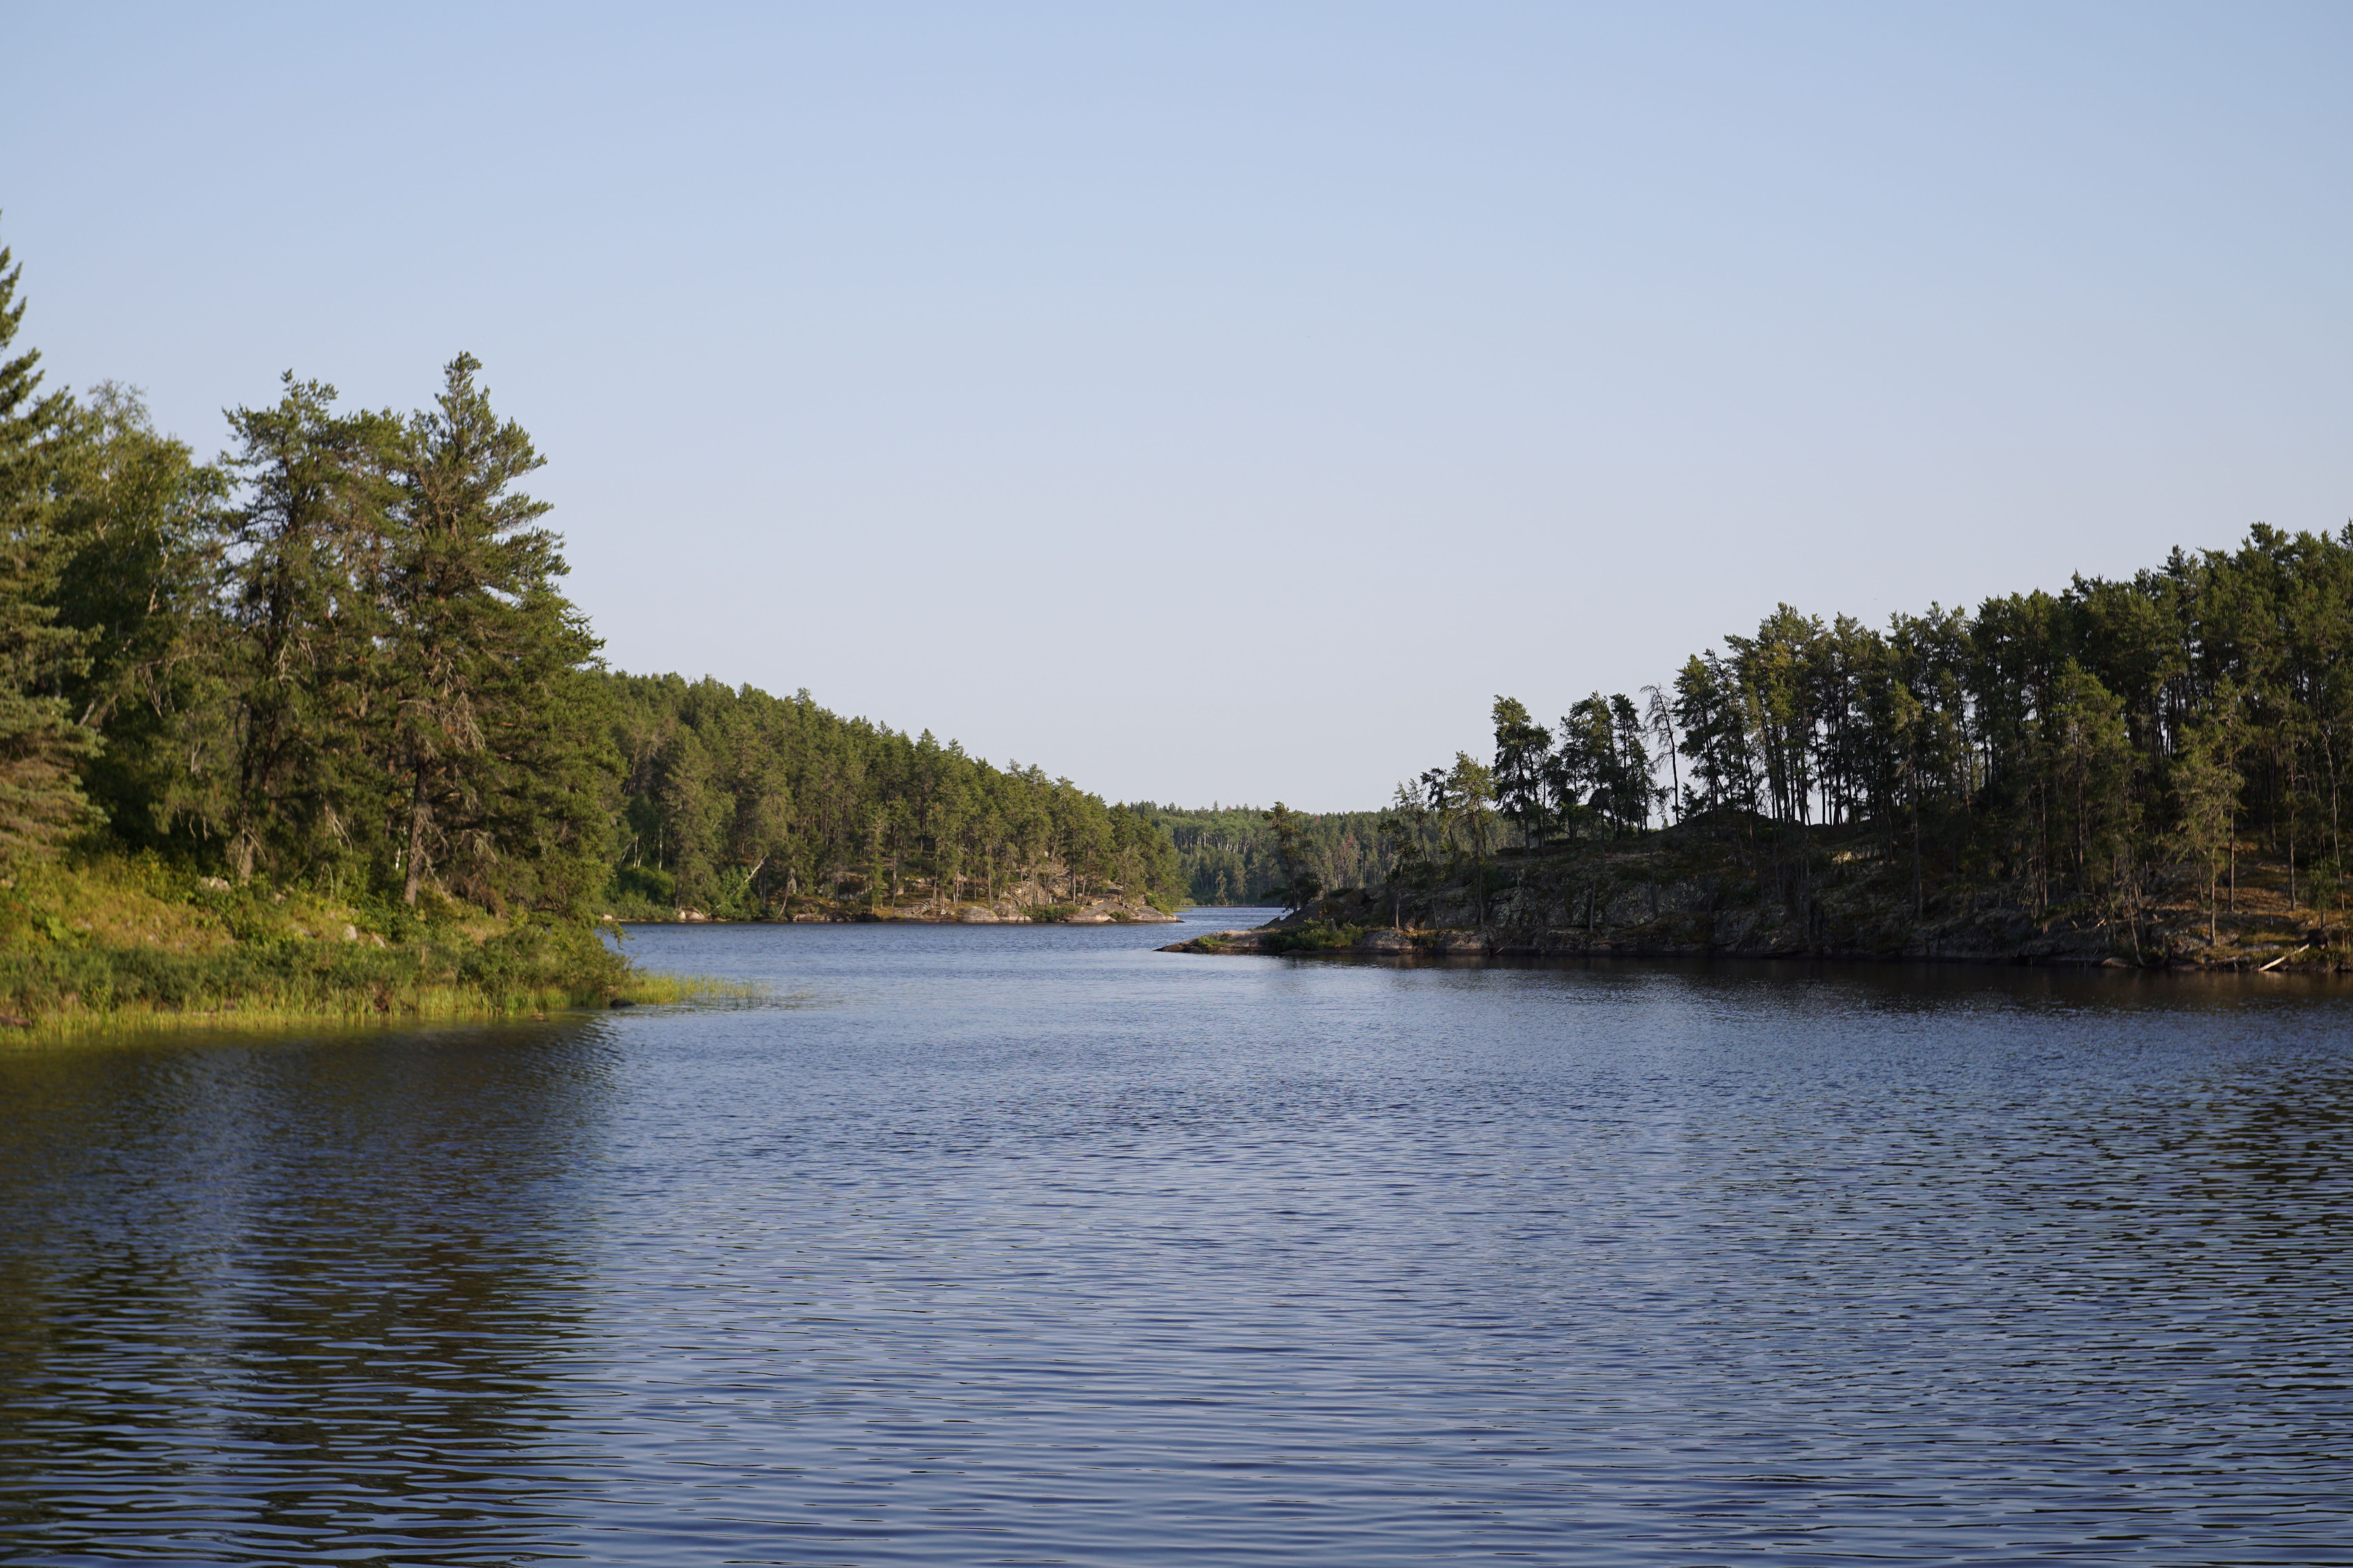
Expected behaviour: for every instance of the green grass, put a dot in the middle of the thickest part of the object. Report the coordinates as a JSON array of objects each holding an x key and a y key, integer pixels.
[
  {"x": 109, "y": 944},
  {"x": 104, "y": 993}
]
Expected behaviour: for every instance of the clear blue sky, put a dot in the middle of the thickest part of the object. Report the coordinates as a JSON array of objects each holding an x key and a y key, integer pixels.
[{"x": 1228, "y": 402}]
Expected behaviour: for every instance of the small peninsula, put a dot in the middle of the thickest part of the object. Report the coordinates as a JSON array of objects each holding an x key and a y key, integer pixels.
[
  {"x": 1682, "y": 895},
  {"x": 2143, "y": 772}
]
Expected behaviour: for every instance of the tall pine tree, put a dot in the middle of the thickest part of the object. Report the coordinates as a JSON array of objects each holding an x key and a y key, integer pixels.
[
  {"x": 499, "y": 743},
  {"x": 40, "y": 745},
  {"x": 305, "y": 612}
]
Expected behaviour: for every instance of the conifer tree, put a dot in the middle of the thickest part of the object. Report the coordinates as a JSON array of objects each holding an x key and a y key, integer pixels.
[
  {"x": 40, "y": 743},
  {"x": 1301, "y": 886},
  {"x": 304, "y": 618},
  {"x": 1632, "y": 789},
  {"x": 2206, "y": 784},
  {"x": 1584, "y": 769},
  {"x": 1522, "y": 746},
  {"x": 1658, "y": 718},
  {"x": 499, "y": 741}
]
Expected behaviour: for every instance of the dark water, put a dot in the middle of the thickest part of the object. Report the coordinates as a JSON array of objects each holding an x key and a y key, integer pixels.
[{"x": 1030, "y": 1247}]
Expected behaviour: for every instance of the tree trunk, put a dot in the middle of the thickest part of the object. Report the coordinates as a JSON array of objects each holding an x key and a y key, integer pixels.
[
  {"x": 416, "y": 819},
  {"x": 1919, "y": 883},
  {"x": 2336, "y": 844}
]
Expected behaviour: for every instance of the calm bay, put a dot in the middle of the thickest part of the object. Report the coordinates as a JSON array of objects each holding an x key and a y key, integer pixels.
[{"x": 1031, "y": 1245}]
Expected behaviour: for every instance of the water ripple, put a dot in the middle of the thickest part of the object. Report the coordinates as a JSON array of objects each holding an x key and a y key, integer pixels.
[{"x": 1006, "y": 1246}]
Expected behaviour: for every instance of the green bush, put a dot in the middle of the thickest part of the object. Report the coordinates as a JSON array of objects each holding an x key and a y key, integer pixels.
[
  {"x": 1314, "y": 936},
  {"x": 641, "y": 892}
]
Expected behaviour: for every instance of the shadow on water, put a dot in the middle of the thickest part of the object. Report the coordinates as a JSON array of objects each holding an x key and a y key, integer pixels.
[{"x": 283, "y": 1298}]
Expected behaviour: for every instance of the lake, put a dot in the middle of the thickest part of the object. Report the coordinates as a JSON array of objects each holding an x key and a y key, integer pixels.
[{"x": 1031, "y": 1245}]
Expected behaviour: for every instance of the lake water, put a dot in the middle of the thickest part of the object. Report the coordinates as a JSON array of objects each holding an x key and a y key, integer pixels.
[{"x": 1035, "y": 1246}]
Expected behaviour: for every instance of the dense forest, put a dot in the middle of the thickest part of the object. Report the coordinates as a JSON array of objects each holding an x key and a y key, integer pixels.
[
  {"x": 740, "y": 804},
  {"x": 338, "y": 655},
  {"x": 1230, "y": 854},
  {"x": 338, "y": 659},
  {"x": 2100, "y": 746}
]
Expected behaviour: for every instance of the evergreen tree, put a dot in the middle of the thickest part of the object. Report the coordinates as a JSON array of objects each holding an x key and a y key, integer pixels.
[
  {"x": 1584, "y": 769},
  {"x": 1659, "y": 719},
  {"x": 2206, "y": 784},
  {"x": 1301, "y": 886},
  {"x": 1632, "y": 790},
  {"x": 1469, "y": 797},
  {"x": 41, "y": 800},
  {"x": 1522, "y": 746},
  {"x": 1403, "y": 835},
  {"x": 305, "y": 619},
  {"x": 496, "y": 736}
]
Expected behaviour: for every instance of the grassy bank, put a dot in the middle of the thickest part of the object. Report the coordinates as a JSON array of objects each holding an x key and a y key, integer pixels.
[{"x": 113, "y": 944}]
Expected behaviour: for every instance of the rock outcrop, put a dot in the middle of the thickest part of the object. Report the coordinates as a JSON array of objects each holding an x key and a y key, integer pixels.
[
  {"x": 1662, "y": 897},
  {"x": 1114, "y": 909}
]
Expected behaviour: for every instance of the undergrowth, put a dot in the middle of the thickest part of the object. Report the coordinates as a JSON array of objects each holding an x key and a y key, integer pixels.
[
  {"x": 1314, "y": 936},
  {"x": 111, "y": 943}
]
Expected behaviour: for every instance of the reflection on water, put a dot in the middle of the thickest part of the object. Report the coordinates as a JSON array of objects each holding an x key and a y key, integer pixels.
[
  {"x": 1039, "y": 1245},
  {"x": 284, "y": 1300}
]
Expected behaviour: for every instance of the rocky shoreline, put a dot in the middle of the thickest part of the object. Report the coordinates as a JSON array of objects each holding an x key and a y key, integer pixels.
[
  {"x": 1472, "y": 946},
  {"x": 1667, "y": 900},
  {"x": 1116, "y": 911}
]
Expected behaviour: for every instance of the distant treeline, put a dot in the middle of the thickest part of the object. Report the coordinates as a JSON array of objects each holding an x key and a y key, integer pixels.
[
  {"x": 339, "y": 656},
  {"x": 733, "y": 800},
  {"x": 1229, "y": 854},
  {"x": 2089, "y": 744}
]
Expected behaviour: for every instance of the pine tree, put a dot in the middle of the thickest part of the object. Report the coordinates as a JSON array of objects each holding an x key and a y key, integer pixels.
[
  {"x": 1584, "y": 770},
  {"x": 1301, "y": 886},
  {"x": 41, "y": 801},
  {"x": 1522, "y": 747},
  {"x": 1658, "y": 718},
  {"x": 305, "y": 607},
  {"x": 499, "y": 742},
  {"x": 2206, "y": 784},
  {"x": 1632, "y": 789}
]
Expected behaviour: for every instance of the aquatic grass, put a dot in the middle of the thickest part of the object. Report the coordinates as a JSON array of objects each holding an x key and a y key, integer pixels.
[
  {"x": 662, "y": 988},
  {"x": 215, "y": 1006}
]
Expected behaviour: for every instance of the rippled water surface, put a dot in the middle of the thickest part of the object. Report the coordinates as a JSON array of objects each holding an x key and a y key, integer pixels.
[{"x": 1036, "y": 1245}]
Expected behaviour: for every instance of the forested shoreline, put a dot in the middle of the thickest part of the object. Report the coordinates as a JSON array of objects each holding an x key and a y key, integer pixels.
[
  {"x": 1231, "y": 854},
  {"x": 743, "y": 805},
  {"x": 313, "y": 726},
  {"x": 2154, "y": 764}
]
